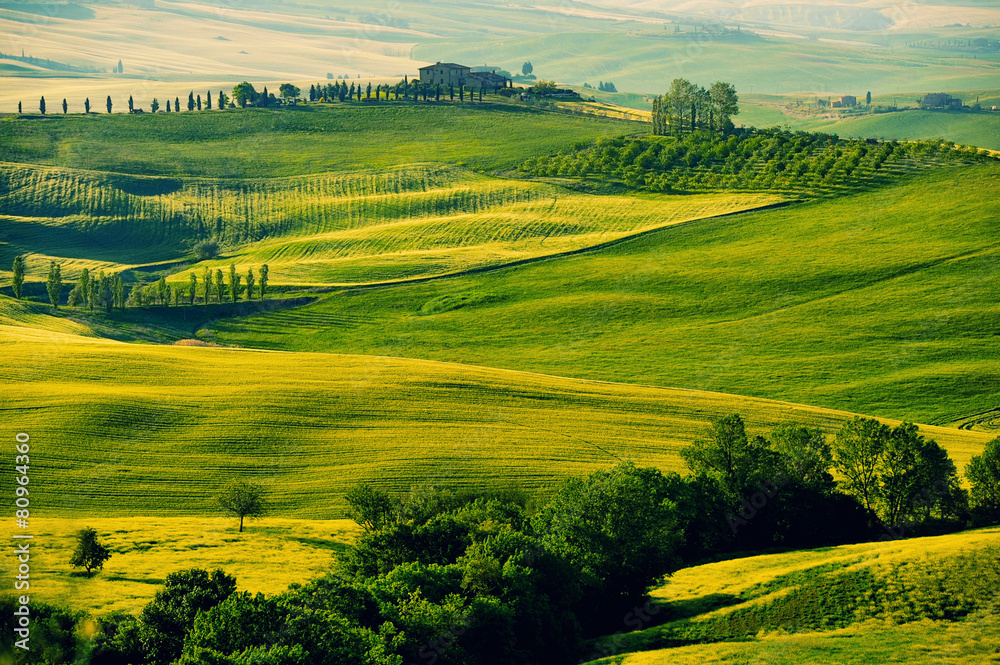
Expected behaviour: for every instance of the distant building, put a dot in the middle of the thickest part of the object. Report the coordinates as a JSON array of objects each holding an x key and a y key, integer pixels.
[
  {"x": 941, "y": 100},
  {"x": 445, "y": 73},
  {"x": 848, "y": 101},
  {"x": 487, "y": 81}
]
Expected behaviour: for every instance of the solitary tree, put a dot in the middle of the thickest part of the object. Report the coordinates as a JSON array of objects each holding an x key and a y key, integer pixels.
[
  {"x": 108, "y": 103},
  {"x": 89, "y": 553},
  {"x": 41, "y": 105},
  {"x": 65, "y": 106},
  {"x": 243, "y": 499},
  {"x": 527, "y": 68},
  {"x": 121, "y": 67},
  {"x": 868, "y": 98},
  {"x": 19, "y": 107},
  {"x": 131, "y": 104},
  {"x": 17, "y": 282},
  {"x": 263, "y": 280},
  {"x": 54, "y": 283}
]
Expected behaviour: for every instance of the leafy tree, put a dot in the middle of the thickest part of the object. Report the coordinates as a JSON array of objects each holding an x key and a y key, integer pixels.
[
  {"x": 17, "y": 283},
  {"x": 108, "y": 103},
  {"x": 370, "y": 508},
  {"x": 857, "y": 451},
  {"x": 53, "y": 283},
  {"x": 723, "y": 104},
  {"x": 527, "y": 68},
  {"x": 250, "y": 283},
  {"x": 89, "y": 554},
  {"x": 164, "y": 622},
  {"x": 155, "y": 105},
  {"x": 805, "y": 453},
  {"x": 544, "y": 87},
  {"x": 729, "y": 455},
  {"x": 983, "y": 474},
  {"x": 618, "y": 528},
  {"x": 234, "y": 282},
  {"x": 118, "y": 289},
  {"x": 41, "y": 105},
  {"x": 193, "y": 287},
  {"x": 289, "y": 92},
  {"x": 243, "y": 499},
  {"x": 86, "y": 105},
  {"x": 244, "y": 93},
  {"x": 191, "y": 100},
  {"x": 263, "y": 280},
  {"x": 206, "y": 249},
  {"x": 65, "y": 106},
  {"x": 220, "y": 287}
]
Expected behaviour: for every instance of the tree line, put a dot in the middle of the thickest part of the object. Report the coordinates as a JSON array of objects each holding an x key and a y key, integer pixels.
[
  {"x": 494, "y": 576},
  {"x": 109, "y": 292},
  {"x": 245, "y": 95}
]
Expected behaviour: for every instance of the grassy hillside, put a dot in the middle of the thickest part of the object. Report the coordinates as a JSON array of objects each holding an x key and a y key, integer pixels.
[
  {"x": 981, "y": 130},
  {"x": 124, "y": 429},
  {"x": 258, "y": 143},
  {"x": 857, "y": 602},
  {"x": 396, "y": 223},
  {"x": 144, "y": 550},
  {"x": 880, "y": 303}
]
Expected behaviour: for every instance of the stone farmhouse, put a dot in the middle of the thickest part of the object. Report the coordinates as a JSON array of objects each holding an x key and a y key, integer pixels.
[{"x": 452, "y": 74}]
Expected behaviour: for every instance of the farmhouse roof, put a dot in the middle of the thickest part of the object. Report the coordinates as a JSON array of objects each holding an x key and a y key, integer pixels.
[{"x": 445, "y": 65}]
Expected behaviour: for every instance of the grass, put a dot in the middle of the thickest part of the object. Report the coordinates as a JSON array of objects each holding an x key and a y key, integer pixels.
[
  {"x": 144, "y": 550},
  {"x": 876, "y": 303},
  {"x": 873, "y": 597},
  {"x": 255, "y": 143},
  {"x": 410, "y": 221},
  {"x": 156, "y": 430}
]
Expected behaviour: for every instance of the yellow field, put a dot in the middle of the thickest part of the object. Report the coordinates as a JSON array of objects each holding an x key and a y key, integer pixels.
[
  {"x": 270, "y": 554},
  {"x": 120, "y": 429}
]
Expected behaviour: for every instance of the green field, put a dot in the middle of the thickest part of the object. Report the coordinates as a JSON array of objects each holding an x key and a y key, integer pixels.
[
  {"x": 126, "y": 429},
  {"x": 310, "y": 139},
  {"x": 911, "y": 596},
  {"x": 877, "y": 303}
]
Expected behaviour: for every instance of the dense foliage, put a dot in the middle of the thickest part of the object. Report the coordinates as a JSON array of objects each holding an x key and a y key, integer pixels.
[{"x": 769, "y": 159}]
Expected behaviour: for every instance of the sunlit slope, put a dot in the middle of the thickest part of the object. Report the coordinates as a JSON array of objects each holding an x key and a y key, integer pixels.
[
  {"x": 882, "y": 302},
  {"x": 304, "y": 140},
  {"x": 156, "y": 430},
  {"x": 832, "y": 605},
  {"x": 330, "y": 228}
]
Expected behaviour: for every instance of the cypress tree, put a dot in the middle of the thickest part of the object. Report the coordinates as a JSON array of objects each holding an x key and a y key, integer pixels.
[
  {"x": 312, "y": 93},
  {"x": 208, "y": 101},
  {"x": 206, "y": 277},
  {"x": 19, "y": 108},
  {"x": 108, "y": 104},
  {"x": 168, "y": 106},
  {"x": 54, "y": 284},
  {"x": 263, "y": 281},
  {"x": 17, "y": 283},
  {"x": 199, "y": 102},
  {"x": 41, "y": 105},
  {"x": 191, "y": 101},
  {"x": 65, "y": 106},
  {"x": 177, "y": 104},
  {"x": 131, "y": 104}
]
